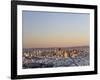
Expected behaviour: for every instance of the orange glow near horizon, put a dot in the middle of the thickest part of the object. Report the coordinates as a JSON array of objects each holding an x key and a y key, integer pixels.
[{"x": 56, "y": 41}]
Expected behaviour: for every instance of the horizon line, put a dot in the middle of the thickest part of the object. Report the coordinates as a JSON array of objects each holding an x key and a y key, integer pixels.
[{"x": 62, "y": 47}]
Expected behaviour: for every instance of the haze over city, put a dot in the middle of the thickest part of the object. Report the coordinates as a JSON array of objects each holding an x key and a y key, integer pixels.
[{"x": 54, "y": 29}]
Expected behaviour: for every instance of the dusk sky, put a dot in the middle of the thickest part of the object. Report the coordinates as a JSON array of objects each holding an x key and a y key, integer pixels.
[{"x": 54, "y": 29}]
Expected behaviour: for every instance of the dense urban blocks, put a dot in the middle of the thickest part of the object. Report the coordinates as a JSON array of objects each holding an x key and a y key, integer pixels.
[{"x": 55, "y": 57}]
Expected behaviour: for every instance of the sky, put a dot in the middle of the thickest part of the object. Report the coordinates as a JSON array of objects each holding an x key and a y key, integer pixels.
[{"x": 54, "y": 29}]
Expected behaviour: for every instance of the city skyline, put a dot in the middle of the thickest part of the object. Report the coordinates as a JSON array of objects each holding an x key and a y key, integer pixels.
[{"x": 50, "y": 29}]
